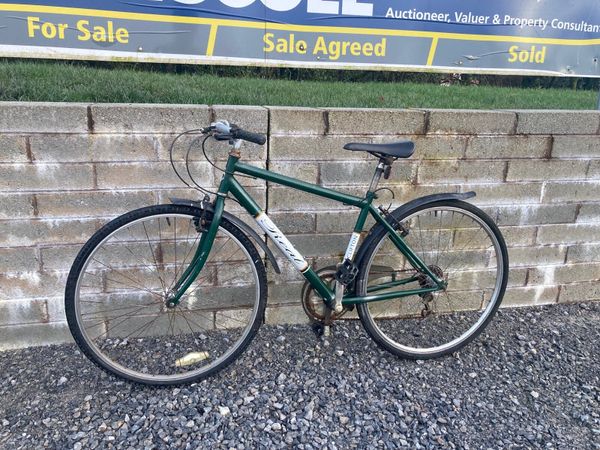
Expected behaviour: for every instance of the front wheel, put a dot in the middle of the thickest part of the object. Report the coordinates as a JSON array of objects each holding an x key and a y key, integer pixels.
[
  {"x": 118, "y": 293},
  {"x": 461, "y": 245}
]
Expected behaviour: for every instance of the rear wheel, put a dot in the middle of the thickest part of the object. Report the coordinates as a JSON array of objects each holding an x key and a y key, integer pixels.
[
  {"x": 461, "y": 245},
  {"x": 118, "y": 290}
]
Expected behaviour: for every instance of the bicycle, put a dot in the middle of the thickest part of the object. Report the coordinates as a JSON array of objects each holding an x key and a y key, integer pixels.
[{"x": 173, "y": 293}]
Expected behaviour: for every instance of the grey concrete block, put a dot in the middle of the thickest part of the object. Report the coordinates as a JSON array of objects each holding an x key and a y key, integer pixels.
[
  {"x": 287, "y": 293},
  {"x": 376, "y": 121},
  {"x": 141, "y": 118},
  {"x": 536, "y": 214},
  {"x": 46, "y": 177},
  {"x": 36, "y": 117},
  {"x": 250, "y": 118},
  {"x": 517, "y": 276},
  {"x": 361, "y": 172},
  {"x": 568, "y": 233},
  {"x": 581, "y": 253},
  {"x": 533, "y": 256},
  {"x": 295, "y": 223},
  {"x": 589, "y": 213},
  {"x": 93, "y": 147},
  {"x": 576, "y": 147},
  {"x": 461, "y": 121},
  {"x": 315, "y": 148},
  {"x": 123, "y": 147},
  {"x": 148, "y": 175},
  {"x": 508, "y": 147},
  {"x": 546, "y": 170},
  {"x": 22, "y": 233},
  {"x": 32, "y": 284},
  {"x": 18, "y": 259},
  {"x": 432, "y": 146},
  {"x": 294, "y": 120},
  {"x": 55, "y": 148},
  {"x": 286, "y": 315},
  {"x": 558, "y": 122},
  {"x": 445, "y": 172},
  {"x": 22, "y": 312},
  {"x": 16, "y": 206},
  {"x": 32, "y": 335},
  {"x": 104, "y": 204},
  {"x": 59, "y": 257},
  {"x": 519, "y": 236},
  {"x": 305, "y": 171},
  {"x": 340, "y": 222},
  {"x": 13, "y": 149},
  {"x": 321, "y": 245},
  {"x": 505, "y": 193},
  {"x": 530, "y": 296},
  {"x": 576, "y": 191},
  {"x": 286, "y": 199},
  {"x": 564, "y": 273},
  {"x": 594, "y": 170},
  {"x": 56, "y": 307},
  {"x": 579, "y": 292}
]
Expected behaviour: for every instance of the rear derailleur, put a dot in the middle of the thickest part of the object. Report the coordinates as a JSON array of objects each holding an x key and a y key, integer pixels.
[{"x": 425, "y": 282}]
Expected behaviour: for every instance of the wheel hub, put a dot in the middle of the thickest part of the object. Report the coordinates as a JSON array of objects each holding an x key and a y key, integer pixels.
[
  {"x": 426, "y": 282},
  {"x": 170, "y": 301}
]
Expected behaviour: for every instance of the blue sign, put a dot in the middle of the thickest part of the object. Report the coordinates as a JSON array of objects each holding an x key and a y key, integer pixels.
[{"x": 551, "y": 37}]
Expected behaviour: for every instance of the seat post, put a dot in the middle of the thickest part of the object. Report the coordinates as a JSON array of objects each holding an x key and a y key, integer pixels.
[{"x": 377, "y": 176}]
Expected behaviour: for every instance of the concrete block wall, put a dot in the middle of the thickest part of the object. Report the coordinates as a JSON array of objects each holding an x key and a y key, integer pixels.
[{"x": 65, "y": 169}]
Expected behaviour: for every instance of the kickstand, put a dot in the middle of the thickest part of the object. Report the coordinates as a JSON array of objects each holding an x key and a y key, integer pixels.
[
  {"x": 323, "y": 329},
  {"x": 327, "y": 324}
]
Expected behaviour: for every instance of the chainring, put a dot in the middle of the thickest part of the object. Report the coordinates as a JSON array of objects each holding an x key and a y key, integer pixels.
[{"x": 313, "y": 304}]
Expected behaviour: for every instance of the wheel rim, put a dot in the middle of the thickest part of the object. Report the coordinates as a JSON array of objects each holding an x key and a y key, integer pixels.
[
  {"x": 122, "y": 311},
  {"x": 470, "y": 259}
]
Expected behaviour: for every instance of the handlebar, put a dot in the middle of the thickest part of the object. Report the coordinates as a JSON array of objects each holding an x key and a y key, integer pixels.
[
  {"x": 224, "y": 131},
  {"x": 244, "y": 135}
]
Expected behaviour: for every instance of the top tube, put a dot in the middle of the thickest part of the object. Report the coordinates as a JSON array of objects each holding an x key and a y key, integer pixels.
[{"x": 300, "y": 185}]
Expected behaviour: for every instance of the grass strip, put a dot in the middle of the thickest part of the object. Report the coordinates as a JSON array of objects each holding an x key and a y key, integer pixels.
[{"x": 66, "y": 82}]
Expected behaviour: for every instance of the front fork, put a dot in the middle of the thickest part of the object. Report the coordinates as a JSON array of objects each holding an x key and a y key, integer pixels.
[{"x": 200, "y": 256}]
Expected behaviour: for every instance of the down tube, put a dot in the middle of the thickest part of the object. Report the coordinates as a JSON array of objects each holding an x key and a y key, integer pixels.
[{"x": 280, "y": 241}]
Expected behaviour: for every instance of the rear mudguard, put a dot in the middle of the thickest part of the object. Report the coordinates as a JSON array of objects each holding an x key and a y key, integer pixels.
[
  {"x": 400, "y": 211},
  {"x": 237, "y": 222}
]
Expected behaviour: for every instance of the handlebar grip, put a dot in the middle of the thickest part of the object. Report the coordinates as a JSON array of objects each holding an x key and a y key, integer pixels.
[{"x": 238, "y": 133}]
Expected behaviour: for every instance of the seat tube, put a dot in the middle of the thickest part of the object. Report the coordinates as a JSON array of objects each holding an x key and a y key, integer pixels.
[
  {"x": 362, "y": 218},
  {"x": 377, "y": 176}
]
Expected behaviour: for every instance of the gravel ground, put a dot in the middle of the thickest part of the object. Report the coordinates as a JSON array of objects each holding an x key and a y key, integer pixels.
[{"x": 531, "y": 381}]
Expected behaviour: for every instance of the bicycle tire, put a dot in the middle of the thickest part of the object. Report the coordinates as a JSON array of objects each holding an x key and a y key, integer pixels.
[
  {"x": 112, "y": 273},
  {"x": 424, "y": 327}
]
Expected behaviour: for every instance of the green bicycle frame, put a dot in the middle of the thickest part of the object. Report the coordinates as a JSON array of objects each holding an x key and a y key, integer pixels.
[{"x": 229, "y": 185}]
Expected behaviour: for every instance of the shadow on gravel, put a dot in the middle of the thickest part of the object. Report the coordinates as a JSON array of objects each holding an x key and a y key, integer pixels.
[{"x": 530, "y": 381}]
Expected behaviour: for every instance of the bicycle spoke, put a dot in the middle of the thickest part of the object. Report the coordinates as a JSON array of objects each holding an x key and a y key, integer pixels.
[
  {"x": 127, "y": 322},
  {"x": 154, "y": 258},
  {"x": 461, "y": 246}
]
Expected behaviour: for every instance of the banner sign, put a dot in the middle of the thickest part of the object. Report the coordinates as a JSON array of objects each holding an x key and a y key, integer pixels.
[{"x": 543, "y": 37}]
